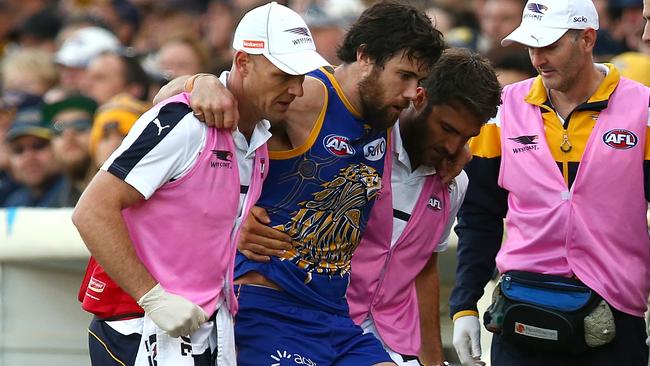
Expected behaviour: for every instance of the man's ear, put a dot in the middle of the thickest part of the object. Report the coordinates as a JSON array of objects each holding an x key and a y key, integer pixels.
[
  {"x": 363, "y": 59},
  {"x": 242, "y": 62},
  {"x": 420, "y": 99}
]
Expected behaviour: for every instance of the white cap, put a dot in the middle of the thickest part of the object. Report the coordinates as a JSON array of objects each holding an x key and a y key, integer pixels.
[
  {"x": 545, "y": 21},
  {"x": 280, "y": 34},
  {"x": 84, "y": 44}
]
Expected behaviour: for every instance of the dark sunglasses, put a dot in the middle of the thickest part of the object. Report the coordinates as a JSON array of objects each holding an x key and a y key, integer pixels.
[
  {"x": 80, "y": 125},
  {"x": 37, "y": 146}
]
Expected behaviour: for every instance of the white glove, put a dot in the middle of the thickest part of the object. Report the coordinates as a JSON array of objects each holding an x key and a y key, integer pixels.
[
  {"x": 172, "y": 313},
  {"x": 467, "y": 339}
]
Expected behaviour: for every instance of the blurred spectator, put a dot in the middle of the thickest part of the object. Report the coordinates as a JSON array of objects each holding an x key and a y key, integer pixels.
[
  {"x": 28, "y": 71},
  {"x": 79, "y": 50},
  {"x": 182, "y": 54},
  {"x": 32, "y": 161},
  {"x": 512, "y": 64},
  {"x": 497, "y": 19},
  {"x": 169, "y": 17},
  {"x": 71, "y": 120},
  {"x": 634, "y": 65},
  {"x": 441, "y": 17},
  {"x": 112, "y": 73},
  {"x": 112, "y": 123},
  {"x": 626, "y": 22},
  {"x": 9, "y": 103},
  {"x": 39, "y": 30},
  {"x": 218, "y": 26},
  {"x": 328, "y": 21},
  {"x": 121, "y": 16}
]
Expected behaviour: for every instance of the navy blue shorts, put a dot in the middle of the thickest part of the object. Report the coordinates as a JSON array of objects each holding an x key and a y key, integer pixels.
[
  {"x": 272, "y": 328},
  {"x": 627, "y": 349},
  {"x": 108, "y": 347}
]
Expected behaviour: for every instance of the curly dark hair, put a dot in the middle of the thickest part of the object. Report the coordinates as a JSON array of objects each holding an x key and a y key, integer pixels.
[
  {"x": 388, "y": 28},
  {"x": 463, "y": 79}
]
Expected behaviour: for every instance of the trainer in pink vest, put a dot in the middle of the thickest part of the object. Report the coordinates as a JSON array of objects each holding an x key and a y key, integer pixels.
[
  {"x": 382, "y": 282},
  {"x": 596, "y": 231},
  {"x": 182, "y": 234}
]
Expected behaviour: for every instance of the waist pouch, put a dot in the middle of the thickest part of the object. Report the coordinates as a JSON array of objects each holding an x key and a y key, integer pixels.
[{"x": 549, "y": 313}]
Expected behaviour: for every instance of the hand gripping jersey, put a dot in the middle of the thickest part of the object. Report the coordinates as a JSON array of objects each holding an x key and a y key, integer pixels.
[{"x": 321, "y": 195}]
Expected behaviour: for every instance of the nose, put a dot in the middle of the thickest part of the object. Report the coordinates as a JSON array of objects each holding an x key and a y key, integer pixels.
[
  {"x": 646, "y": 32},
  {"x": 295, "y": 86},
  {"x": 410, "y": 91},
  {"x": 453, "y": 144}
]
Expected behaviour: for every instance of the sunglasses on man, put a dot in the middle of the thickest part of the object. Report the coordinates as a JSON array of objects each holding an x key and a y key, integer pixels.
[{"x": 79, "y": 125}]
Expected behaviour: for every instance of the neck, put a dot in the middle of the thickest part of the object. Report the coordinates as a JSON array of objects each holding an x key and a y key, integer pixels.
[
  {"x": 248, "y": 114},
  {"x": 409, "y": 140},
  {"x": 347, "y": 76},
  {"x": 579, "y": 92}
]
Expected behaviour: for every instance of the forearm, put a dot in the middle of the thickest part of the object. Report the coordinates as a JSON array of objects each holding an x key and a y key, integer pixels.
[
  {"x": 172, "y": 88},
  {"x": 428, "y": 290}
]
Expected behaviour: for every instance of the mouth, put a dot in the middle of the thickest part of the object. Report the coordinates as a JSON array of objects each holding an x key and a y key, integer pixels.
[
  {"x": 546, "y": 73},
  {"x": 283, "y": 106}
]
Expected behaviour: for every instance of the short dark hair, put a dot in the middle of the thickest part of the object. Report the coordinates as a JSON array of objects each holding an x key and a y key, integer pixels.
[
  {"x": 389, "y": 27},
  {"x": 463, "y": 79}
]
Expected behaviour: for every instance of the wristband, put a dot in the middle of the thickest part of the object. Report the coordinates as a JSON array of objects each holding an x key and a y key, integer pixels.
[{"x": 189, "y": 83}]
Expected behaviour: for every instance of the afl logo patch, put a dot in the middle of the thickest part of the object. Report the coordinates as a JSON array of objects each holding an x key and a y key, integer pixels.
[
  {"x": 338, "y": 145},
  {"x": 620, "y": 139},
  {"x": 434, "y": 203},
  {"x": 375, "y": 150}
]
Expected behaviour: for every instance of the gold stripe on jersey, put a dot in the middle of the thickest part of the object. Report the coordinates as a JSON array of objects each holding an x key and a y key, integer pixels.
[
  {"x": 488, "y": 143},
  {"x": 313, "y": 134},
  {"x": 339, "y": 91}
]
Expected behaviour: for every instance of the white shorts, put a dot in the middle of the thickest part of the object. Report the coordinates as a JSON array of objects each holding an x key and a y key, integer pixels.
[{"x": 369, "y": 327}]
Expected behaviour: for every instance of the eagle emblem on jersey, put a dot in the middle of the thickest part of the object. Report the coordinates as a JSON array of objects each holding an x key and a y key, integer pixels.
[{"x": 327, "y": 228}]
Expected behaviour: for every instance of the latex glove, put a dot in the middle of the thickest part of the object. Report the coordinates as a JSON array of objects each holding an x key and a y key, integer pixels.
[
  {"x": 174, "y": 314},
  {"x": 467, "y": 339}
]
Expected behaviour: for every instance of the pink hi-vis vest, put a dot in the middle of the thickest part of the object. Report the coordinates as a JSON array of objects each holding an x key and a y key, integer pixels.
[
  {"x": 596, "y": 231},
  {"x": 382, "y": 282},
  {"x": 182, "y": 234}
]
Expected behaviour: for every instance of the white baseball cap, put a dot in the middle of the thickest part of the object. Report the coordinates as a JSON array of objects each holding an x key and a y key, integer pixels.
[
  {"x": 84, "y": 44},
  {"x": 545, "y": 21},
  {"x": 280, "y": 34}
]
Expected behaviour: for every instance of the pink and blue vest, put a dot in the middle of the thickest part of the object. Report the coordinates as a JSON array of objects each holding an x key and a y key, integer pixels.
[
  {"x": 182, "y": 234},
  {"x": 597, "y": 230},
  {"x": 382, "y": 282}
]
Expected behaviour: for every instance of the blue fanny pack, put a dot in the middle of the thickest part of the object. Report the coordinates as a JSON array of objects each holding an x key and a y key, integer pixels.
[{"x": 546, "y": 312}]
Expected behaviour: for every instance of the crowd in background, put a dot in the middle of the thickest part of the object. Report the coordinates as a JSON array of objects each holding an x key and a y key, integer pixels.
[{"x": 76, "y": 74}]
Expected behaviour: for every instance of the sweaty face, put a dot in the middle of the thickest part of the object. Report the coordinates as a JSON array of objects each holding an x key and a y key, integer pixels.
[
  {"x": 71, "y": 141},
  {"x": 444, "y": 132},
  {"x": 387, "y": 90},
  {"x": 269, "y": 89},
  {"x": 560, "y": 64}
]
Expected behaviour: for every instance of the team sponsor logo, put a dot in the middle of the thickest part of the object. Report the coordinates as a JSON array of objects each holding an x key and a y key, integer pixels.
[
  {"x": 253, "y": 44},
  {"x": 160, "y": 127},
  {"x": 223, "y": 159},
  {"x": 338, "y": 145},
  {"x": 535, "y": 11},
  {"x": 301, "y": 31},
  {"x": 434, "y": 203},
  {"x": 620, "y": 139},
  {"x": 580, "y": 19},
  {"x": 96, "y": 285},
  {"x": 375, "y": 150},
  {"x": 537, "y": 8},
  {"x": 151, "y": 347},
  {"x": 282, "y": 358},
  {"x": 529, "y": 142}
]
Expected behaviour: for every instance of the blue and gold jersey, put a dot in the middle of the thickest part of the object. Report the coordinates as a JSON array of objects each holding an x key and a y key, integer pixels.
[{"x": 321, "y": 193}]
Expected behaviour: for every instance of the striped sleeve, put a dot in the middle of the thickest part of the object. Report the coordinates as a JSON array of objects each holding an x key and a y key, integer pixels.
[{"x": 162, "y": 146}]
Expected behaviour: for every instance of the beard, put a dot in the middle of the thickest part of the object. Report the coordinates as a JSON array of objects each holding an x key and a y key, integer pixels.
[{"x": 373, "y": 109}]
